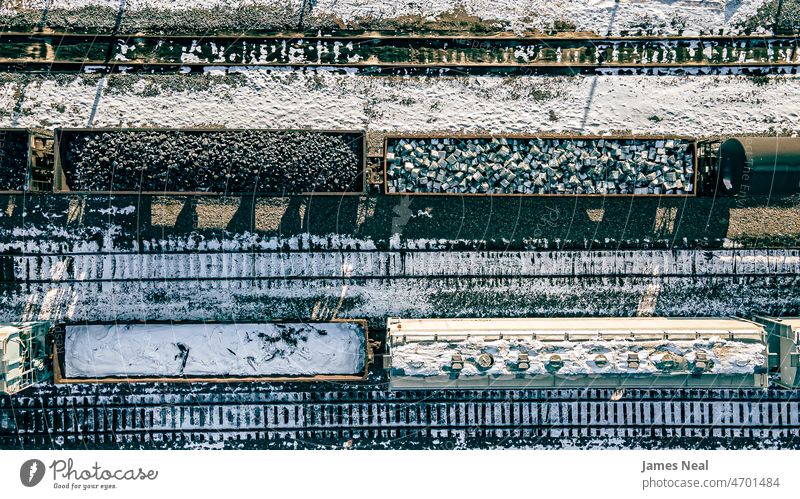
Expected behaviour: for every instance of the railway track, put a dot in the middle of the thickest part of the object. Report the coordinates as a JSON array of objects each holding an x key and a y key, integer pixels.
[
  {"x": 399, "y": 55},
  {"x": 121, "y": 266},
  {"x": 380, "y": 417}
]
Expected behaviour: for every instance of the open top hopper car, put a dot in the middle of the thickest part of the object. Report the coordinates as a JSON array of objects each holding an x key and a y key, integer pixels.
[
  {"x": 224, "y": 161},
  {"x": 212, "y": 352}
]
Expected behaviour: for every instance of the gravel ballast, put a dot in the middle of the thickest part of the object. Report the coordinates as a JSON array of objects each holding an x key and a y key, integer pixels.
[
  {"x": 235, "y": 161},
  {"x": 13, "y": 160},
  {"x": 497, "y": 165}
]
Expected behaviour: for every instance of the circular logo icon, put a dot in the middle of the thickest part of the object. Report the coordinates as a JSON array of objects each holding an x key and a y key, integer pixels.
[{"x": 31, "y": 472}]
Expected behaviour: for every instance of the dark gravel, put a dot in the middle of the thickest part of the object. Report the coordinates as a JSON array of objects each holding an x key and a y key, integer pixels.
[
  {"x": 13, "y": 160},
  {"x": 249, "y": 161}
]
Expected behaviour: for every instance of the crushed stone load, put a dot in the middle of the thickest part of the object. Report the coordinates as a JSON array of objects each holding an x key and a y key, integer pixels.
[
  {"x": 13, "y": 160},
  {"x": 271, "y": 349},
  {"x": 228, "y": 161},
  {"x": 497, "y": 165}
]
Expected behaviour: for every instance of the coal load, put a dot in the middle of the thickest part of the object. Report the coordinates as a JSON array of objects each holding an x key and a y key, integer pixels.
[
  {"x": 540, "y": 166},
  {"x": 13, "y": 160},
  {"x": 236, "y": 161}
]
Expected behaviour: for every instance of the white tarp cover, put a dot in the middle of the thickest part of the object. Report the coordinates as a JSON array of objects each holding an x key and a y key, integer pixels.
[
  {"x": 433, "y": 358},
  {"x": 299, "y": 349}
]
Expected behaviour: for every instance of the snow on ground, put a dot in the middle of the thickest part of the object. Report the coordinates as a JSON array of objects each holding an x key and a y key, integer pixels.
[
  {"x": 214, "y": 350},
  {"x": 692, "y": 105},
  {"x": 132, "y": 5},
  {"x": 599, "y": 16},
  {"x": 433, "y": 358}
]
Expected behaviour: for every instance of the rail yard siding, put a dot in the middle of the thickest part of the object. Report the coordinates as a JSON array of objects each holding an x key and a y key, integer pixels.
[
  {"x": 234, "y": 415},
  {"x": 499, "y": 165},
  {"x": 376, "y": 299},
  {"x": 169, "y": 350},
  {"x": 398, "y": 51},
  {"x": 13, "y": 160},
  {"x": 93, "y": 267},
  {"x": 223, "y": 161}
]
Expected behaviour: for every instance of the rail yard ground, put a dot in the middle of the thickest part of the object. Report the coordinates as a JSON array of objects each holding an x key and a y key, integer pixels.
[{"x": 369, "y": 255}]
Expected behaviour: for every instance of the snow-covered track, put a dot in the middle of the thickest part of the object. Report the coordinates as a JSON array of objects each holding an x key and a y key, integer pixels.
[
  {"x": 506, "y": 55},
  {"x": 266, "y": 417},
  {"x": 218, "y": 285},
  {"x": 107, "y": 267}
]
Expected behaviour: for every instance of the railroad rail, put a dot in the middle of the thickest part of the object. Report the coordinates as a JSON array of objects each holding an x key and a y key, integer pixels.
[
  {"x": 374, "y": 417},
  {"x": 403, "y": 54}
]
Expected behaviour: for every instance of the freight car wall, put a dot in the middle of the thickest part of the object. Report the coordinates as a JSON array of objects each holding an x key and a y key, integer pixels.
[
  {"x": 227, "y": 162},
  {"x": 13, "y": 159},
  {"x": 540, "y": 165}
]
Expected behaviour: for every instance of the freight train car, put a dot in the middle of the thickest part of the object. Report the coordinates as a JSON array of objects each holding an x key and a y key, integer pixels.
[
  {"x": 24, "y": 355},
  {"x": 784, "y": 342},
  {"x": 759, "y": 166},
  {"x": 582, "y": 352},
  {"x": 540, "y": 165},
  {"x": 212, "y": 352},
  {"x": 26, "y": 160},
  {"x": 209, "y": 161}
]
